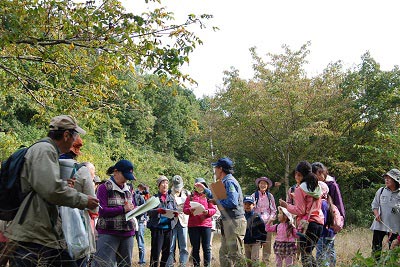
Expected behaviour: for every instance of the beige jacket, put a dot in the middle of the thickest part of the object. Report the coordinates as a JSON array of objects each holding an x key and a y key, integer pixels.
[
  {"x": 84, "y": 184},
  {"x": 180, "y": 201},
  {"x": 41, "y": 173}
]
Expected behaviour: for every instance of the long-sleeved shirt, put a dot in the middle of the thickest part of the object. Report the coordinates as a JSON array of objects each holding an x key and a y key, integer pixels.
[
  {"x": 41, "y": 173},
  {"x": 201, "y": 220},
  {"x": 306, "y": 201},
  {"x": 385, "y": 201},
  {"x": 255, "y": 229},
  {"x": 335, "y": 194},
  {"x": 107, "y": 211},
  {"x": 282, "y": 234},
  {"x": 233, "y": 203},
  {"x": 265, "y": 205}
]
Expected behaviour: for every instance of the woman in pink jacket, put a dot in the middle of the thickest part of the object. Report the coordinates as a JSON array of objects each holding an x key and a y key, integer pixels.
[
  {"x": 200, "y": 223},
  {"x": 307, "y": 206}
]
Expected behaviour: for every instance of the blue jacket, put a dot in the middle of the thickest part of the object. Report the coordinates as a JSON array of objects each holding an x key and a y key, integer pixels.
[
  {"x": 156, "y": 220},
  {"x": 233, "y": 203}
]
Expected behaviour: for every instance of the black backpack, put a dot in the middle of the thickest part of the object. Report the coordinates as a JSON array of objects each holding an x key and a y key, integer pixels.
[{"x": 11, "y": 195}]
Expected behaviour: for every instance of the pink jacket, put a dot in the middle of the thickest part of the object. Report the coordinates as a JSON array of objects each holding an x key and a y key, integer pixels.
[
  {"x": 199, "y": 220},
  {"x": 303, "y": 202},
  {"x": 281, "y": 232}
]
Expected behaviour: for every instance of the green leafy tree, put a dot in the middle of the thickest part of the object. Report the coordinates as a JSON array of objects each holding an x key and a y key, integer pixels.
[
  {"x": 65, "y": 55},
  {"x": 274, "y": 120}
]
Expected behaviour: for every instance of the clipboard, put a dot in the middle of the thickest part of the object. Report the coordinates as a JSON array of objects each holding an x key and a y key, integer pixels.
[{"x": 218, "y": 190}]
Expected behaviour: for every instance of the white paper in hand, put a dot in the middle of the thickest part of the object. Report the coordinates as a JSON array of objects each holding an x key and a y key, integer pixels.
[
  {"x": 151, "y": 203},
  {"x": 198, "y": 208},
  {"x": 180, "y": 200},
  {"x": 169, "y": 213}
]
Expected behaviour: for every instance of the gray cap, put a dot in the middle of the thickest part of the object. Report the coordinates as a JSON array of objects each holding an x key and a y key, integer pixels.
[
  {"x": 65, "y": 122},
  {"x": 161, "y": 179},
  {"x": 201, "y": 180},
  {"x": 394, "y": 173},
  {"x": 177, "y": 182}
]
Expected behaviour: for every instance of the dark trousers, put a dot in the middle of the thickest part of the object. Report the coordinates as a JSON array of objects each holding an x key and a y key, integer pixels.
[
  {"x": 197, "y": 236},
  {"x": 377, "y": 240},
  {"x": 31, "y": 254},
  {"x": 308, "y": 242},
  {"x": 160, "y": 243}
]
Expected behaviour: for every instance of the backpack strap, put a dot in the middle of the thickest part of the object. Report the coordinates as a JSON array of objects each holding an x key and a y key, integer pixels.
[
  {"x": 77, "y": 166},
  {"x": 256, "y": 196},
  {"x": 311, "y": 209}
]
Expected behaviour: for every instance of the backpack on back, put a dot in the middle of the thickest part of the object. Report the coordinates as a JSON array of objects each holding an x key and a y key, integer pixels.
[
  {"x": 11, "y": 195},
  {"x": 338, "y": 220}
]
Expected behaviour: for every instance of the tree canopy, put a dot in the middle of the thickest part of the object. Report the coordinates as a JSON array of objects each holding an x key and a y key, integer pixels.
[
  {"x": 119, "y": 74},
  {"x": 66, "y": 55},
  {"x": 348, "y": 120}
]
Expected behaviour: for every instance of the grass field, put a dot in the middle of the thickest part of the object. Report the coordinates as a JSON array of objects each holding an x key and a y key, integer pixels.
[{"x": 347, "y": 244}]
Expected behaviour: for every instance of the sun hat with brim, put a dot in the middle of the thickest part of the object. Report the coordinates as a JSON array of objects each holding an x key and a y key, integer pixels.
[
  {"x": 266, "y": 179},
  {"x": 287, "y": 213},
  {"x": 394, "y": 174},
  {"x": 126, "y": 167},
  {"x": 65, "y": 122},
  {"x": 201, "y": 180}
]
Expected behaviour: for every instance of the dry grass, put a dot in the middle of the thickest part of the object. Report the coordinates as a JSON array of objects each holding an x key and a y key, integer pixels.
[
  {"x": 349, "y": 241},
  {"x": 347, "y": 244}
]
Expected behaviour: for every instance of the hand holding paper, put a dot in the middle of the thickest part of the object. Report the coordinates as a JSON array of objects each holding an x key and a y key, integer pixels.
[
  {"x": 151, "y": 203},
  {"x": 197, "y": 207},
  {"x": 170, "y": 213}
]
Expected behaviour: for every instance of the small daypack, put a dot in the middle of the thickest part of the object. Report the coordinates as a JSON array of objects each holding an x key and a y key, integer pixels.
[
  {"x": 338, "y": 220},
  {"x": 11, "y": 195}
]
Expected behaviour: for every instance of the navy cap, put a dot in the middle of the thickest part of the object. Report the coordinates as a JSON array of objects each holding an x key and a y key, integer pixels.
[
  {"x": 248, "y": 199},
  {"x": 126, "y": 167},
  {"x": 225, "y": 163}
]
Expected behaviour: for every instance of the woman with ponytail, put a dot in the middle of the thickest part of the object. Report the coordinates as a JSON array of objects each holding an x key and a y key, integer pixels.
[{"x": 307, "y": 207}]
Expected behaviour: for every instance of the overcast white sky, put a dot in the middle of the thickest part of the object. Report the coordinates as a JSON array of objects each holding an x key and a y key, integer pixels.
[{"x": 338, "y": 30}]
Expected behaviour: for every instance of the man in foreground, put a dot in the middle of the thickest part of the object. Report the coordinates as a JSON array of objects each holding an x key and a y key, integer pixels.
[{"x": 34, "y": 227}]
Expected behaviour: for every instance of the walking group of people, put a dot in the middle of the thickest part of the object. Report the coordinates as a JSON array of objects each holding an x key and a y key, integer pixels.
[{"x": 309, "y": 217}]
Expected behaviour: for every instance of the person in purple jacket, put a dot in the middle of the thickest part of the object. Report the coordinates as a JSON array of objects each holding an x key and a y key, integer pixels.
[
  {"x": 322, "y": 173},
  {"x": 115, "y": 240}
]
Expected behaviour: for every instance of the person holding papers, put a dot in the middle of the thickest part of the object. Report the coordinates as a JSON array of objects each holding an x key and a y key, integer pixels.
[
  {"x": 200, "y": 211},
  {"x": 160, "y": 224},
  {"x": 115, "y": 242}
]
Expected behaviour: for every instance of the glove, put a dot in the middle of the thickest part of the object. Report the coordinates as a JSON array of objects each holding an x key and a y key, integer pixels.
[
  {"x": 176, "y": 214},
  {"x": 161, "y": 211}
]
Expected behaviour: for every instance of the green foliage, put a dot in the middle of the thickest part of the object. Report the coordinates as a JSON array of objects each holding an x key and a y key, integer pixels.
[
  {"x": 64, "y": 55},
  {"x": 349, "y": 120},
  {"x": 389, "y": 258}
]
